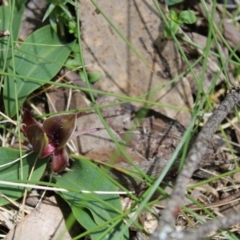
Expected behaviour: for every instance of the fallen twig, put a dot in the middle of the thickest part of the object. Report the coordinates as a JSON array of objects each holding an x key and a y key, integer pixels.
[{"x": 166, "y": 228}]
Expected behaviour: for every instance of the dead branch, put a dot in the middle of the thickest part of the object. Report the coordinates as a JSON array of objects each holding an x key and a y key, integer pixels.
[{"x": 166, "y": 228}]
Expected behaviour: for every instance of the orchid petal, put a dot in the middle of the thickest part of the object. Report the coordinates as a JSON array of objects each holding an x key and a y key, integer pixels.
[
  {"x": 59, "y": 160},
  {"x": 59, "y": 128},
  {"x": 28, "y": 121},
  {"x": 37, "y": 138}
]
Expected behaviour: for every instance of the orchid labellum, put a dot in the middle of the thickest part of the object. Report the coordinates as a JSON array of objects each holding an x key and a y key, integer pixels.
[{"x": 51, "y": 137}]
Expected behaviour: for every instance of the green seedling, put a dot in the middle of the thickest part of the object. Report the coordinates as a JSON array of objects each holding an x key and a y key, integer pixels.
[
  {"x": 176, "y": 20},
  {"x": 60, "y": 15}
]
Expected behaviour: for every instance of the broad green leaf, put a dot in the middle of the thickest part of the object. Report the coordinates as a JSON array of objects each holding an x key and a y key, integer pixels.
[
  {"x": 187, "y": 17},
  {"x": 88, "y": 223},
  {"x": 12, "y": 173},
  {"x": 97, "y": 209},
  {"x": 6, "y": 18},
  {"x": 41, "y": 56}
]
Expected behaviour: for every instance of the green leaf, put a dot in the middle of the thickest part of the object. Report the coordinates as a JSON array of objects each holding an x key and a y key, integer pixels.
[
  {"x": 173, "y": 15},
  {"x": 94, "y": 77},
  {"x": 6, "y": 20},
  {"x": 187, "y": 17},
  {"x": 72, "y": 63},
  {"x": 67, "y": 12},
  {"x": 41, "y": 56},
  {"x": 53, "y": 23},
  {"x": 49, "y": 11},
  {"x": 12, "y": 173},
  {"x": 92, "y": 210},
  {"x": 173, "y": 28},
  {"x": 20, "y": 3},
  {"x": 71, "y": 2},
  {"x": 172, "y": 2}
]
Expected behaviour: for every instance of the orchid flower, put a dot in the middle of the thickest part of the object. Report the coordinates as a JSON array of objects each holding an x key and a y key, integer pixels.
[{"x": 50, "y": 137}]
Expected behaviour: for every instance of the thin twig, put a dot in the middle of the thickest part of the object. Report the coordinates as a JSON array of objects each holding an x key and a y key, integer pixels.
[
  {"x": 166, "y": 228},
  {"x": 212, "y": 226}
]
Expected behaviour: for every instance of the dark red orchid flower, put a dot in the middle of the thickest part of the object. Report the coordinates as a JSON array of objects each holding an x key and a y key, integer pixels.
[{"x": 51, "y": 137}]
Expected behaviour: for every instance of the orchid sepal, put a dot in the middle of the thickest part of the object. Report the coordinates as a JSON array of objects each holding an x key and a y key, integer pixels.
[
  {"x": 59, "y": 129},
  {"x": 60, "y": 160}
]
